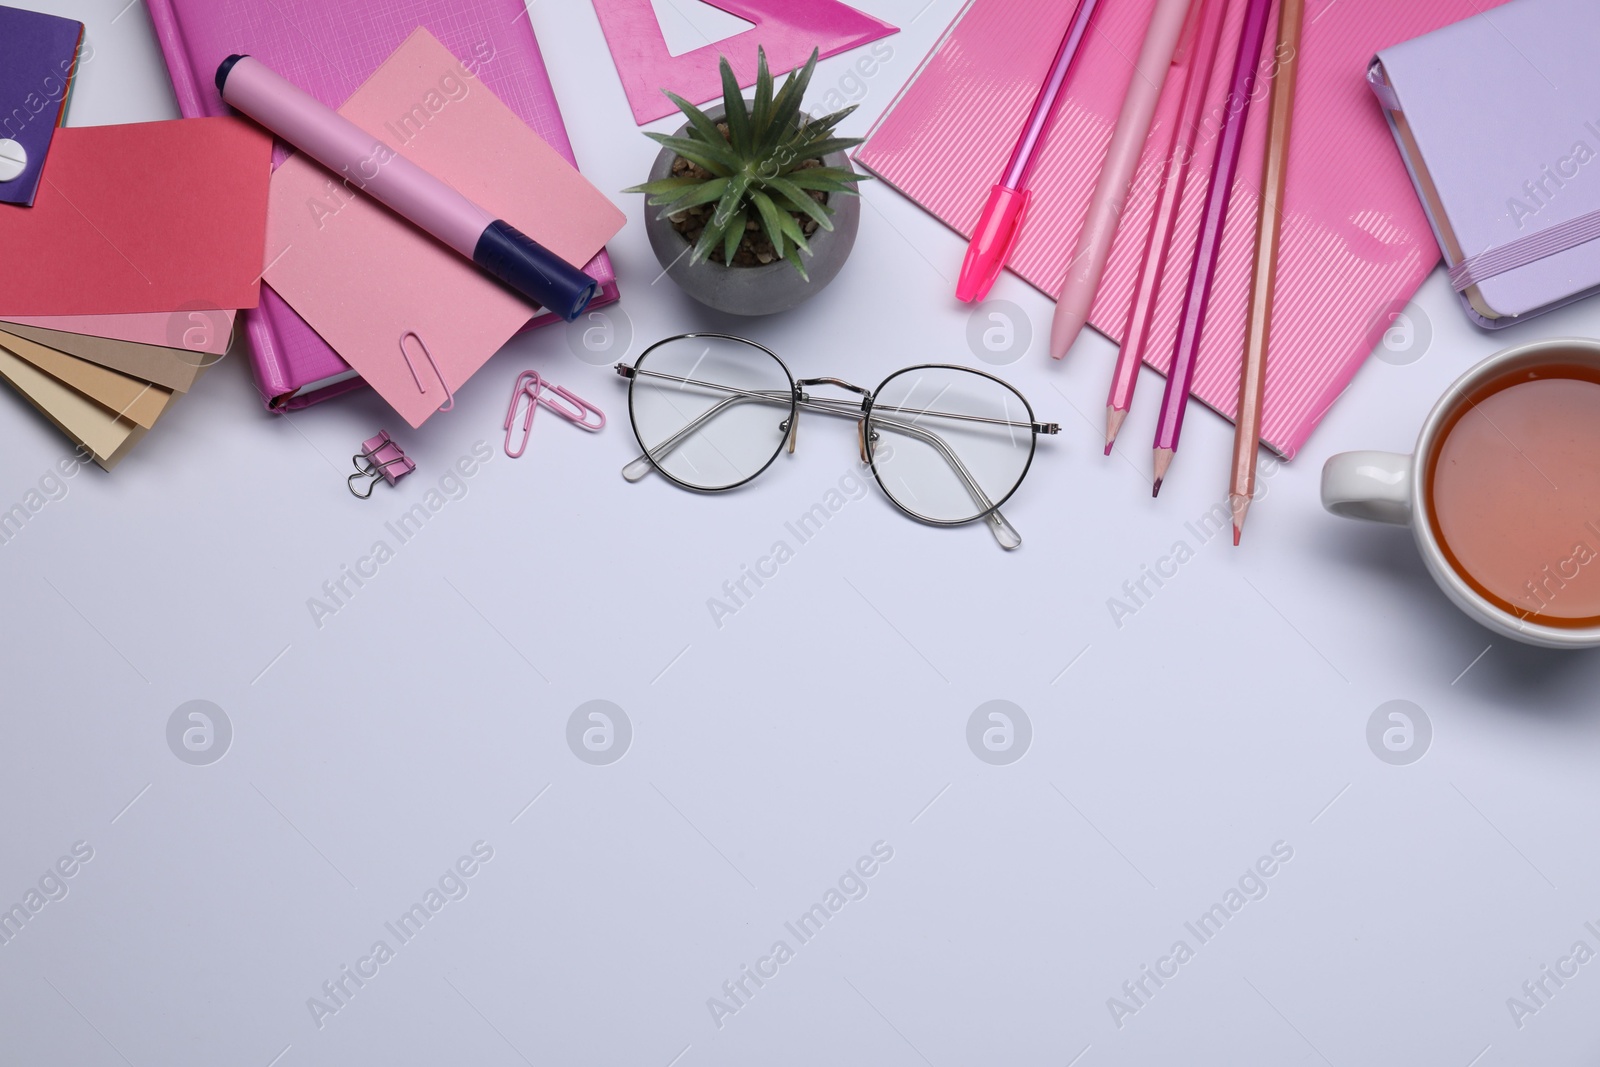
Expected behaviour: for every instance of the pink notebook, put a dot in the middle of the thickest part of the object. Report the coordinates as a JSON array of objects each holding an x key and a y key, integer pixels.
[
  {"x": 329, "y": 48},
  {"x": 1356, "y": 243}
]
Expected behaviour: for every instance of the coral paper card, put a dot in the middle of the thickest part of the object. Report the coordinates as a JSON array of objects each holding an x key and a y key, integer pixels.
[
  {"x": 147, "y": 217},
  {"x": 38, "y": 58},
  {"x": 1356, "y": 244},
  {"x": 363, "y": 277}
]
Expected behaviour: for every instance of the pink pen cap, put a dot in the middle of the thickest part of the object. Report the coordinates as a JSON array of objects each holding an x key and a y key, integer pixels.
[{"x": 992, "y": 242}]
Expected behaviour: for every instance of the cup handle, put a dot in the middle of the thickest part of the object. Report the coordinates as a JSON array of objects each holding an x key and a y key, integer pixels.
[{"x": 1375, "y": 486}]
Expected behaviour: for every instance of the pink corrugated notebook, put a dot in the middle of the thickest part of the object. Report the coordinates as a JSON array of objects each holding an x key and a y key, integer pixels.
[
  {"x": 1356, "y": 243},
  {"x": 329, "y": 48}
]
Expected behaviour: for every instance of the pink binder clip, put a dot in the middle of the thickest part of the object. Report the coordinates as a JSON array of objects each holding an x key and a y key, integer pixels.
[
  {"x": 538, "y": 390},
  {"x": 379, "y": 458}
]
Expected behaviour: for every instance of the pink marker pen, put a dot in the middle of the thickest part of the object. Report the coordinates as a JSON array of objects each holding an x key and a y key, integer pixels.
[
  {"x": 405, "y": 188},
  {"x": 1002, "y": 218}
]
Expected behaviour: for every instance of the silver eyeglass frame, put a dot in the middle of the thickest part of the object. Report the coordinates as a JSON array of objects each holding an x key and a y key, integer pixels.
[{"x": 865, "y": 412}]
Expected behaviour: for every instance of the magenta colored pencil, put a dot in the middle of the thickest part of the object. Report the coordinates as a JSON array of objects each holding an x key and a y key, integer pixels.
[{"x": 1191, "y": 323}]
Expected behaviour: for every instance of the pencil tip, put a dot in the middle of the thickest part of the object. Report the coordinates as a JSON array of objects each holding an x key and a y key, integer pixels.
[
  {"x": 1155, "y": 488},
  {"x": 1114, "y": 420},
  {"x": 1163, "y": 460},
  {"x": 1240, "y": 503}
]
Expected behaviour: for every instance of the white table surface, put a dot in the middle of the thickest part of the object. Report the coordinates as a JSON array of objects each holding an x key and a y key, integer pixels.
[{"x": 1167, "y": 755}]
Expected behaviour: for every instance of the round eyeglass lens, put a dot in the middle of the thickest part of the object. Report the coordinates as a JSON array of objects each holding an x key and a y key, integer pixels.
[
  {"x": 712, "y": 412},
  {"x": 949, "y": 445}
]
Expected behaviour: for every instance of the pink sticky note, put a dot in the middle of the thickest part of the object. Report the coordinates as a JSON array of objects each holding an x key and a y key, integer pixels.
[{"x": 363, "y": 277}]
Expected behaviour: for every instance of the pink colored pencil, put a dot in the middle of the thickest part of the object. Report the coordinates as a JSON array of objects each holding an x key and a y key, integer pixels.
[
  {"x": 1100, "y": 223},
  {"x": 1179, "y": 153},
  {"x": 1191, "y": 322}
]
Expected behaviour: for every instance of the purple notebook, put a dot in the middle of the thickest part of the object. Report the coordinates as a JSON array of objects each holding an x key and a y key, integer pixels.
[
  {"x": 1498, "y": 118},
  {"x": 329, "y": 48},
  {"x": 38, "y": 57}
]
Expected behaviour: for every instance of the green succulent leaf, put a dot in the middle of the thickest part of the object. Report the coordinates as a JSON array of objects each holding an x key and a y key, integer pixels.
[
  {"x": 825, "y": 180},
  {"x": 709, "y": 238},
  {"x": 761, "y": 114},
  {"x": 819, "y": 149},
  {"x": 734, "y": 235},
  {"x": 717, "y": 227},
  {"x": 800, "y": 200},
  {"x": 803, "y": 79},
  {"x": 718, "y": 159},
  {"x": 703, "y": 193},
  {"x": 704, "y": 128},
  {"x": 737, "y": 117},
  {"x": 763, "y": 168},
  {"x": 786, "y": 106},
  {"x": 824, "y": 186},
  {"x": 794, "y": 259},
  {"x": 826, "y": 123},
  {"x": 664, "y": 186},
  {"x": 771, "y": 219},
  {"x": 792, "y": 230}
]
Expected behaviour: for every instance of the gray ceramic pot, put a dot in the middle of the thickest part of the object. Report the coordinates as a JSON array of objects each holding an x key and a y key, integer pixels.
[{"x": 754, "y": 290}]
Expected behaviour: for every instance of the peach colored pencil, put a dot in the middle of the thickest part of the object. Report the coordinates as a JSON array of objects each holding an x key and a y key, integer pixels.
[{"x": 1263, "y": 281}]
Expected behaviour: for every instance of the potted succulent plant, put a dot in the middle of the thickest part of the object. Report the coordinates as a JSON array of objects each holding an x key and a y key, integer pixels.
[{"x": 752, "y": 206}]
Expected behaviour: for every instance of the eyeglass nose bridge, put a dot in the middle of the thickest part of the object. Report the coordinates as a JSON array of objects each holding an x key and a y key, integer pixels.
[
  {"x": 841, "y": 383},
  {"x": 793, "y": 425}
]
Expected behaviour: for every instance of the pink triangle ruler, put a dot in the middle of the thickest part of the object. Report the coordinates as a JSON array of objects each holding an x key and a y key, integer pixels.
[{"x": 787, "y": 29}]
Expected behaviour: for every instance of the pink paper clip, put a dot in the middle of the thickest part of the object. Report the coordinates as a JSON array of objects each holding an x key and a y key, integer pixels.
[
  {"x": 379, "y": 458},
  {"x": 449, "y": 400},
  {"x": 539, "y": 391}
]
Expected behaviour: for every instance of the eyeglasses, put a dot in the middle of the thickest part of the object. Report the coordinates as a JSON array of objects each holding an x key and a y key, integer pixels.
[{"x": 948, "y": 445}]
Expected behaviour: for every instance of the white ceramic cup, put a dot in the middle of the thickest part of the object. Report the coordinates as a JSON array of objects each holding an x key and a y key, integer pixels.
[{"x": 1389, "y": 487}]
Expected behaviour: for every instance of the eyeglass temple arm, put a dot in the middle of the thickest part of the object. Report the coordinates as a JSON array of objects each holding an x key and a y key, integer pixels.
[
  {"x": 998, "y": 524},
  {"x": 849, "y": 409},
  {"x": 1005, "y": 533},
  {"x": 646, "y": 461}
]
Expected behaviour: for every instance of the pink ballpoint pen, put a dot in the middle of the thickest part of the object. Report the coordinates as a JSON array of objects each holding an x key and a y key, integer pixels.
[
  {"x": 1191, "y": 323},
  {"x": 1178, "y": 155},
  {"x": 997, "y": 230}
]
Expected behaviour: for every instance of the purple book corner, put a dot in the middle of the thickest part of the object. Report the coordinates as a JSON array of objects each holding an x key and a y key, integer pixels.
[{"x": 38, "y": 59}]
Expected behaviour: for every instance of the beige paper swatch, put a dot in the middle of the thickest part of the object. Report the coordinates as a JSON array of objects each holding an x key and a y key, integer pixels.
[
  {"x": 107, "y": 437},
  {"x": 174, "y": 368},
  {"x": 129, "y": 397}
]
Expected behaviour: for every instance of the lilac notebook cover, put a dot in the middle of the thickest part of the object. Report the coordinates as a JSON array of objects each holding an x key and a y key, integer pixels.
[
  {"x": 329, "y": 47},
  {"x": 38, "y": 54},
  {"x": 1505, "y": 111}
]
